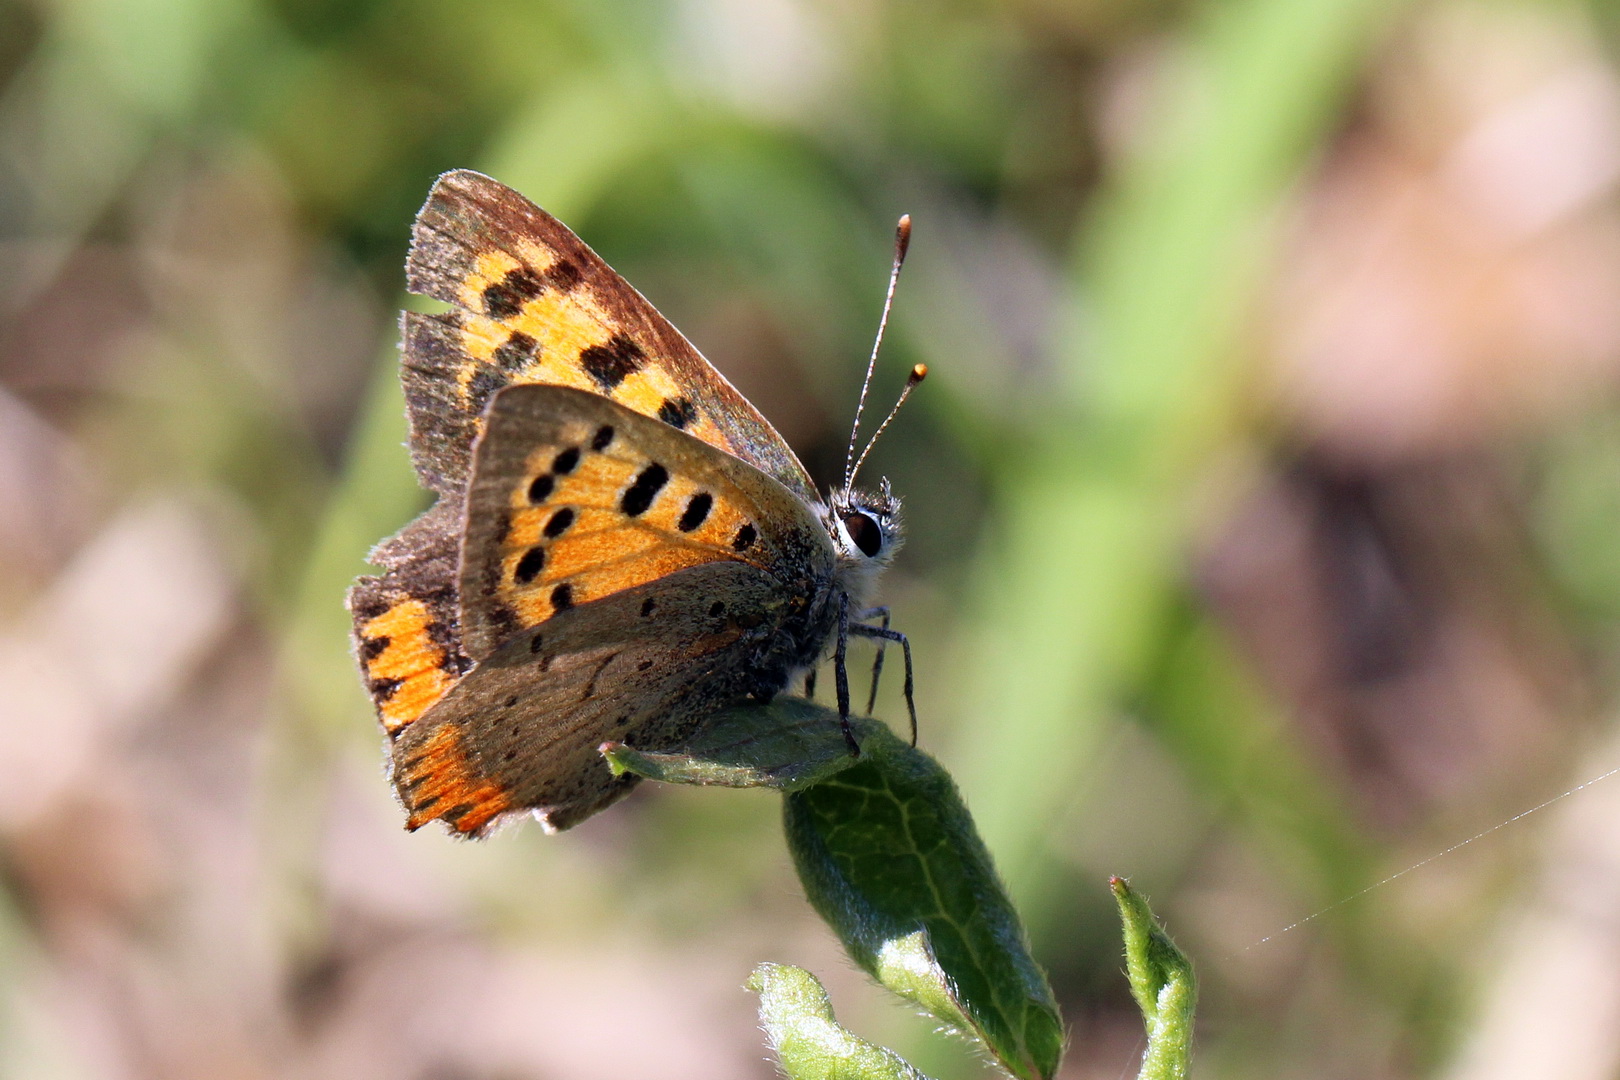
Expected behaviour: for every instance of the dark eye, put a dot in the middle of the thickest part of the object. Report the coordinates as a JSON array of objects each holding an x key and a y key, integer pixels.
[{"x": 865, "y": 532}]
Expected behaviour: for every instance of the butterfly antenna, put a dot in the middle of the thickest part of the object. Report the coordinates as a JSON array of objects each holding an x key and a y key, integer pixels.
[
  {"x": 919, "y": 372},
  {"x": 902, "y": 241}
]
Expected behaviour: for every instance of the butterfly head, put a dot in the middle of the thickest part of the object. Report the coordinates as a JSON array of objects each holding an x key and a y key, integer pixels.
[{"x": 866, "y": 533}]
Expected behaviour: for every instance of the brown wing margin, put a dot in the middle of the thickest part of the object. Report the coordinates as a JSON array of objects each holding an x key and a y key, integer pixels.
[{"x": 467, "y": 219}]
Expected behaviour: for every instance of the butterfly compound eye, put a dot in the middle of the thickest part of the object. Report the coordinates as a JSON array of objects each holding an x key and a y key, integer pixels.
[{"x": 865, "y": 532}]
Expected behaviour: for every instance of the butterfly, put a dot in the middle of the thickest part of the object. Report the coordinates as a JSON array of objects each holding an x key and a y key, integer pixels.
[{"x": 620, "y": 546}]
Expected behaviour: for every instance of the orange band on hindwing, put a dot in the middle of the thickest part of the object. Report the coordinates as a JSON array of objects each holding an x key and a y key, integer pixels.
[{"x": 438, "y": 780}]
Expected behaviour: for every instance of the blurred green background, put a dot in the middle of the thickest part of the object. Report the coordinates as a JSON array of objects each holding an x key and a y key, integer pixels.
[{"x": 1262, "y": 513}]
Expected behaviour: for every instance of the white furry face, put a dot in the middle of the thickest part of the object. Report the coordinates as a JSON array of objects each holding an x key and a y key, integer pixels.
[{"x": 866, "y": 532}]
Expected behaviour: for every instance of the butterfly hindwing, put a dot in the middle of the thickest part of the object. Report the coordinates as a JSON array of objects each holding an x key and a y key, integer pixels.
[
  {"x": 574, "y": 498},
  {"x": 406, "y": 621},
  {"x": 534, "y": 304},
  {"x": 643, "y": 666}
]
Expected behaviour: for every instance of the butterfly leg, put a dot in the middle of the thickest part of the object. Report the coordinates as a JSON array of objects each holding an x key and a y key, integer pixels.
[
  {"x": 883, "y": 633},
  {"x": 841, "y": 674},
  {"x": 877, "y": 664}
]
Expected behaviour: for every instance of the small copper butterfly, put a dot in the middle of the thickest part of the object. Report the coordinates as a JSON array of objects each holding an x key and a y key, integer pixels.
[{"x": 621, "y": 544}]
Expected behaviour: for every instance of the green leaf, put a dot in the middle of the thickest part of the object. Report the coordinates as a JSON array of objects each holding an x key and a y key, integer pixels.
[
  {"x": 891, "y": 860},
  {"x": 1162, "y": 982},
  {"x": 808, "y": 1042},
  {"x": 788, "y": 744}
]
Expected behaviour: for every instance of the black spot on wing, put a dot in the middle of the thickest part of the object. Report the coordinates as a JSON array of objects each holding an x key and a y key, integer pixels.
[
  {"x": 558, "y": 523},
  {"x": 563, "y": 275},
  {"x": 678, "y": 412},
  {"x": 383, "y": 689},
  {"x": 562, "y": 597},
  {"x": 507, "y": 296},
  {"x": 614, "y": 362},
  {"x": 640, "y": 494},
  {"x": 372, "y": 647},
  {"x": 516, "y": 351},
  {"x": 529, "y": 567},
  {"x": 483, "y": 384},
  {"x": 745, "y": 538},
  {"x": 540, "y": 488},
  {"x": 602, "y": 438},
  {"x": 503, "y": 619},
  {"x": 696, "y": 512},
  {"x": 566, "y": 461}
]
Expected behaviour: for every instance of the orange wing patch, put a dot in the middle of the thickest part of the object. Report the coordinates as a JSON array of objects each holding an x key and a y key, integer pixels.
[
  {"x": 575, "y": 497},
  {"x": 438, "y": 781},
  {"x": 406, "y": 668},
  {"x": 541, "y": 324},
  {"x": 405, "y": 622},
  {"x": 593, "y": 518}
]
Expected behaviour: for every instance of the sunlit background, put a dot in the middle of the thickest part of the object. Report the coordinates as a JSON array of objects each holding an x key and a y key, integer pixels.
[{"x": 1263, "y": 514}]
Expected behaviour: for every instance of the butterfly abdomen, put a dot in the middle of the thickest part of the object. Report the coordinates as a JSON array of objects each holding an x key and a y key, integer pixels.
[{"x": 798, "y": 641}]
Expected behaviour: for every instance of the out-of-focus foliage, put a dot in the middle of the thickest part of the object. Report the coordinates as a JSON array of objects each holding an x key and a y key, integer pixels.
[{"x": 1261, "y": 512}]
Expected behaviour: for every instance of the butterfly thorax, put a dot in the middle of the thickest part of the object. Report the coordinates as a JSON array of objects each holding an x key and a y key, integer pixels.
[{"x": 864, "y": 530}]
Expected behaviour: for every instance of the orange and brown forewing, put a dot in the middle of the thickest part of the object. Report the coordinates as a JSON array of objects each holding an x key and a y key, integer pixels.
[
  {"x": 534, "y": 304},
  {"x": 575, "y": 498}
]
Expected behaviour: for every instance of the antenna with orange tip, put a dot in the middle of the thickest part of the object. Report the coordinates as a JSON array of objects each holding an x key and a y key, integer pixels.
[
  {"x": 919, "y": 372},
  {"x": 902, "y": 241}
]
